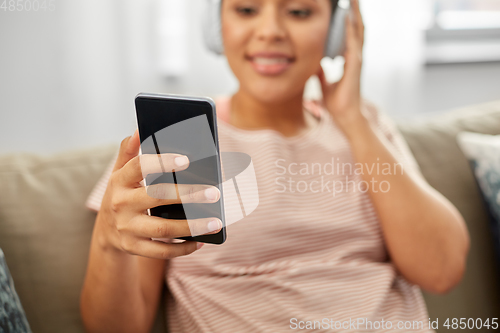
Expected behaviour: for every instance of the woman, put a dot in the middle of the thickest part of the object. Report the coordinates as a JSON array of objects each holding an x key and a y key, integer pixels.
[{"x": 327, "y": 254}]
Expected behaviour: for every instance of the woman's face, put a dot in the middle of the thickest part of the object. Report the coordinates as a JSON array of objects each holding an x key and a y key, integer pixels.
[{"x": 274, "y": 46}]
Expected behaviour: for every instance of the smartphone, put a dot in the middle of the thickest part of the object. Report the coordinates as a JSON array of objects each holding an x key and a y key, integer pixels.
[{"x": 184, "y": 125}]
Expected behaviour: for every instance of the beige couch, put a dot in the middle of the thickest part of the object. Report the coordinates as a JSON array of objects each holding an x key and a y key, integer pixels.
[{"x": 45, "y": 229}]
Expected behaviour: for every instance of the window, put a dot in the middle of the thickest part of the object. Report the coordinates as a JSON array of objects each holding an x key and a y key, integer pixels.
[{"x": 464, "y": 31}]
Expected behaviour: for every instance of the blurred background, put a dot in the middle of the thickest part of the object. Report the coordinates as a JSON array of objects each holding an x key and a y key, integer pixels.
[{"x": 69, "y": 71}]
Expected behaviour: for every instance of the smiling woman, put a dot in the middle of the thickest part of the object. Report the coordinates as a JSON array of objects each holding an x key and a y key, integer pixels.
[
  {"x": 273, "y": 47},
  {"x": 303, "y": 255}
]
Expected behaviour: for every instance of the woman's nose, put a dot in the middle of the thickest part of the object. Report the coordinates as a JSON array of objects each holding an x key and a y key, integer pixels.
[{"x": 270, "y": 26}]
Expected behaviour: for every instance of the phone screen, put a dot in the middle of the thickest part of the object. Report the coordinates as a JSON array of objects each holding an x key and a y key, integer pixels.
[{"x": 183, "y": 125}]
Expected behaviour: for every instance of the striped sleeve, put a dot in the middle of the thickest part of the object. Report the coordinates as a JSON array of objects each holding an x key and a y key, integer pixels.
[{"x": 95, "y": 198}]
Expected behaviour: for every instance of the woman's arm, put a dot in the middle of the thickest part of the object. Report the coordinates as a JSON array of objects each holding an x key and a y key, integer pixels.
[
  {"x": 121, "y": 291},
  {"x": 126, "y": 267},
  {"x": 425, "y": 234}
]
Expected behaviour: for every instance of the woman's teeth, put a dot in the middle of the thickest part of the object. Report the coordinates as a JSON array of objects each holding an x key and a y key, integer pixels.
[
  {"x": 270, "y": 61},
  {"x": 270, "y": 65}
]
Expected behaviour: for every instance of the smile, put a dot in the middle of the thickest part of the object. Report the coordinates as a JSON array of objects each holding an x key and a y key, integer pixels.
[{"x": 270, "y": 65}]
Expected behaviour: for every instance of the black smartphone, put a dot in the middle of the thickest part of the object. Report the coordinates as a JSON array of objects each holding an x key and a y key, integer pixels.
[{"x": 183, "y": 125}]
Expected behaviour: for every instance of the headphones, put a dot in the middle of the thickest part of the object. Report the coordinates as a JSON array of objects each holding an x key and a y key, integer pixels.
[{"x": 335, "y": 42}]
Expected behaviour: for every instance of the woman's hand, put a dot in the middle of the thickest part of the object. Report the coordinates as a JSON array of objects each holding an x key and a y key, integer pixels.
[
  {"x": 343, "y": 98},
  {"x": 122, "y": 221},
  {"x": 424, "y": 233}
]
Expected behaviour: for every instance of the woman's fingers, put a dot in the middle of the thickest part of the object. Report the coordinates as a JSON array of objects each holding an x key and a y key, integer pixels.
[
  {"x": 353, "y": 53},
  {"x": 158, "y": 227},
  {"x": 147, "y": 197},
  {"x": 157, "y": 249},
  {"x": 358, "y": 20},
  {"x": 322, "y": 79},
  {"x": 350, "y": 68},
  {"x": 129, "y": 148},
  {"x": 343, "y": 97},
  {"x": 140, "y": 166}
]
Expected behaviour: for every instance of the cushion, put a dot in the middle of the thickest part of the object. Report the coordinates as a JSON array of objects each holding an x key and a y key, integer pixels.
[
  {"x": 483, "y": 153},
  {"x": 12, "y": 316},
  {"x": 432, "y": 140},
  {"x": 45, "y": 231}
]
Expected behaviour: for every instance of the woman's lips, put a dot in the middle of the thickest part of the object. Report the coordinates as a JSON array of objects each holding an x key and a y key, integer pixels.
[{"x": 270, "y": 65}]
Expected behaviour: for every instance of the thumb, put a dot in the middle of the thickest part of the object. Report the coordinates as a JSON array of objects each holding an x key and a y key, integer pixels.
[
  {"x": 322, "y": 79},
  {"x": 129, "y": 148}
]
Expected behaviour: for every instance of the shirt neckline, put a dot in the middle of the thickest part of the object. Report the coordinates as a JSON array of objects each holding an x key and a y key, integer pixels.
[{"x": 266, "y": 133}]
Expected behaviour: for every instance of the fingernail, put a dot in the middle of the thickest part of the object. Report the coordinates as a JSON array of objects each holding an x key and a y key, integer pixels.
[
  {"x": 199, "y": 245},
  {"x": 211, "y": 193},
  {"x": 181, "y": 160},
  {"x": 214, "y": 225}
]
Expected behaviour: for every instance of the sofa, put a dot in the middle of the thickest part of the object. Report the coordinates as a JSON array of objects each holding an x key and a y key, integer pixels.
[{"x": 45, "y": 229}]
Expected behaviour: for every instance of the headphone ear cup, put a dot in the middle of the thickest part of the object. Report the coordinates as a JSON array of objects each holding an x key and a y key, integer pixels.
[
  {"x": 212, "y": 32},
  {"x": 335, "y": 42}
]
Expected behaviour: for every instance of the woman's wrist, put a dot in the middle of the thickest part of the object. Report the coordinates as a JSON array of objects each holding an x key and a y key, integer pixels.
[
  {"x": 353, "y": 123},
  {"x": 106, "y": 238}
]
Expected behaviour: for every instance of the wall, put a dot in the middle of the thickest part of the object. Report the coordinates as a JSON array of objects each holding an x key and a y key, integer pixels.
[{"x": 68, "y": 77}]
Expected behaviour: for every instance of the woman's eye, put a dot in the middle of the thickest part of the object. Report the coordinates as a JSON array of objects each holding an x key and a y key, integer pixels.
[
  {"x": 300, "y": 12},
  {"x": 247, "y": 11}
]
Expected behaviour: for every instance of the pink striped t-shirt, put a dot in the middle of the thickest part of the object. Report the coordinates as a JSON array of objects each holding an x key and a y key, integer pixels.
[{"x": 306, "y": 255}]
